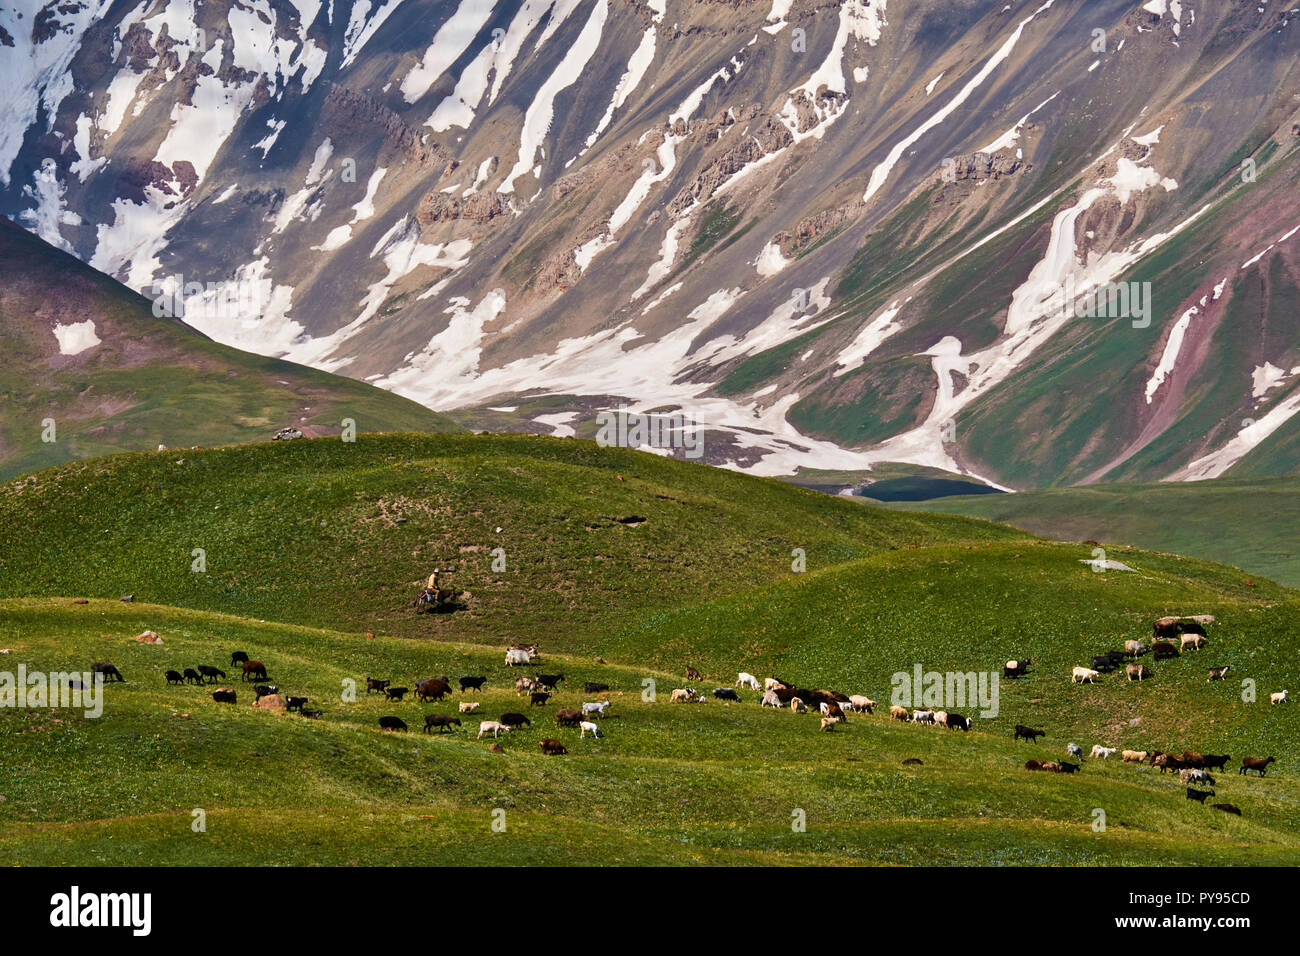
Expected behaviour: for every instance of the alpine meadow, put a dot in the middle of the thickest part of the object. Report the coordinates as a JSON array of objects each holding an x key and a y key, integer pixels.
[{"x": 445, "y": 434}]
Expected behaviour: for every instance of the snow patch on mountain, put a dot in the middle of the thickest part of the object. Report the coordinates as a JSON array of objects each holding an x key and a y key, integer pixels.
[{"x": 75, "y": 337}]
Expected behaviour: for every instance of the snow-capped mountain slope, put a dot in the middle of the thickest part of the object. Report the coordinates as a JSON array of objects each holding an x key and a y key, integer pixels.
[{"x": 835, "y": 234}]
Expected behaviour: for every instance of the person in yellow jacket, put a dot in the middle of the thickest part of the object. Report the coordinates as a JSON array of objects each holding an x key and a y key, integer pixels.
[{"x": 433, "y": 581}]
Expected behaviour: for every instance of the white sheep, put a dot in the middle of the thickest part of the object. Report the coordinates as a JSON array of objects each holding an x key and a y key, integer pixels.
[
  {"x": 747, "y": 680},
  {"x": 862, "y": 704},
  {"x": 493, "y": 727},
  {"x": 1278, "y": 698},
  {"x": 1103, "y": 752},
  {"x": 588, "y": 727},
  {"x": 1083, "y": 675}
]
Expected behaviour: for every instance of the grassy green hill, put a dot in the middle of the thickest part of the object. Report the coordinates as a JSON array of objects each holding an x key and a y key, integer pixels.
[
  {"x": 704, "y": 579},
  {"x": 670, "y": 783},
  {"x": 327, "y": 533},
  {"x": 1246, "y": 522},
  {"x": 150, "y": 380}
]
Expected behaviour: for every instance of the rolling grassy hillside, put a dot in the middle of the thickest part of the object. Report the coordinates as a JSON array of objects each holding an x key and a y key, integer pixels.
[
  {"x": 148, "y": 381},
  {"x": 1246, "y": 522},
  {"x": 705, "y": 579},
  {"x": 670, "y": 783},
  {"x": 334, "y": 534}
]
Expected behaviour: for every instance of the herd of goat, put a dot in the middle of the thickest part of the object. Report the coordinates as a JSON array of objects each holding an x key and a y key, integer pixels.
[{"x": 833, "y": 706}]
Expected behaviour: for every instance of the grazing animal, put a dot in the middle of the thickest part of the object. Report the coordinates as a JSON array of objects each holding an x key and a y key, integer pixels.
[
  {"x": 107, "y": 670},
  {"x": 432, "y": 688},
  {"x": 1189, "y": 758},
  {"x": 392, "y": 723},
  {"x": 1083, "y": 675},
  {"x": 1195, "y": 775},
  {"x": 693, "y": 674},
  {"x": 1135, "y": 756},
  {"x": 747, "y": 680},
  {"x": 769, "y": 700},
  {"x": 897, "y": 713},
  {"x": 525, "y": 685},
  {"x": 193, "y": 676},
  {"x": 828, "y": 723},
  {"x": 590, "y": 728},
  {"x": 265, "y": 690},
  {"x": 726, "y": 693},
  {"x": 771, "y": 683},
  {"x": 833, "y": 710},
  {"x": 797, "y": 706},
  {"x": 1199, "y": 795},
  {"x": 923, "y": 717},
  {"x": 472, "y": 683},
  {"x": 538, "y": 698},
  {"x": 1227, "y": 808},
  {"x": 493, "y": 727},
  {"x": 1074, "y": 750},
  {"x": 1218, "y": 673},
  {"x": 1065, "y": 767},
  {"x": 941, "y": 718},
  {"x": 295, "y": 703},
  {"x": 442, "y": 721},
  {"x": 211, "y": 673},
  {"x": 1137, "y": 672},
  {"x": 552, "y": 747},
  {"x": 516, "y": 656},
  {"x": 395, "y": 693},
  {"x": 958, "y": 722},
  {"x": 1035, "y": 765},
  {"x": 174, "y": 677},
  {"x": 591, "y": 687},
  {"x": 1277, "y": 698},
  {"x": 238, "y": 657},
  {"x": 681, "y": 695},
  {"x": 1194, "y": 641},
  {"x": 568, "y": 718},
  {"x": 912, "y": 762},
  {"x": 597, "y": 708},
  {"x": 1216, "y": 761},
  {"x": 515, "y": 720},
  {"x": 862, "y": 705},
  {"x": 1166, "y": 763},
  {"x": 1016, "y": 668},
  {"x": 1255, "y": 763},
  {"x": 253, "y": 669},
  {"x": 467, "y": 707},
  {"x": 1135, "y": 648},
  {"x": 1028, "y": 733},
  {"x": 1102, "y": 663},
  {"x": 1051, "y": 766},
  {"x": 224, "y": 696},
  {"x": 1103, "y": 752},
  {"x": 313, "y": 714},
  {"x": 549, "y": 680},
  {"x": 1166, "y": 627},
  {"x": 1163, "y": 650}
]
